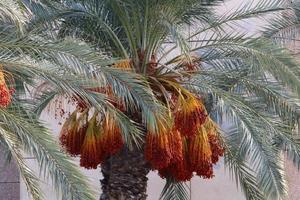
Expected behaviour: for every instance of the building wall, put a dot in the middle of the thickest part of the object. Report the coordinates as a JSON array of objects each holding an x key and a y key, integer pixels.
[
  {"x": 292, "y": 175},
  {"x": 9, "y": 179}
]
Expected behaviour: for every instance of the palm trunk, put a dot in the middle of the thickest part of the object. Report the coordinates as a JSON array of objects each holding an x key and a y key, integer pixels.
[{"x": 124, "y": 176}]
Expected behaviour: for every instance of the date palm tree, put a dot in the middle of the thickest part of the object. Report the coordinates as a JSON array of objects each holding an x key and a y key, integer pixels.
[{"x": 169, "y": 71}]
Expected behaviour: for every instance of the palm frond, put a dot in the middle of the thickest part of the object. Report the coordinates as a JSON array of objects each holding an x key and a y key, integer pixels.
[
  {"x": 245, "y": 11},
  {"x": 36, "y": 140},
  {"x": 14, "y": 146},
  {"x": 128, "y": 86},
  {"x": 284, "y": 29},
  {"x": 275, "y": 96},
  {"x": 252, "y": 125},
  {"x": 263, "y": 56},
  {"x": 175, "y": 190},
  {"x": 12, "y": 20},
  {"x": 239, "y": 168}
]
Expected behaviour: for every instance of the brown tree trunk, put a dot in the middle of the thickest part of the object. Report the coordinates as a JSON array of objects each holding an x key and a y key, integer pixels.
[{"x": 124, "y": 176}]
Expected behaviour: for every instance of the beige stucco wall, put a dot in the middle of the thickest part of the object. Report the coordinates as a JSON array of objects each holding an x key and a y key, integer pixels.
[{"x": 293, "y": 175}]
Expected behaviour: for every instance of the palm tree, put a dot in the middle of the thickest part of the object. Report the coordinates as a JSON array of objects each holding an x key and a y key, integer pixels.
[{"x": 170, "y": 70}]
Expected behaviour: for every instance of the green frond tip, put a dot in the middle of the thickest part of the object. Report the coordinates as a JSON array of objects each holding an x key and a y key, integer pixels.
[{"x": 174, "y": 190}]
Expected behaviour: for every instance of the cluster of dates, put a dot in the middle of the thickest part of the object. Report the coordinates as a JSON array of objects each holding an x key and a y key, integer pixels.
[
  {"x": 192, "y": 145},
  {"x": 5, "y": 91},
  {"x": 92, "y": 138},
  {"x": 189, "y": 145}
]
